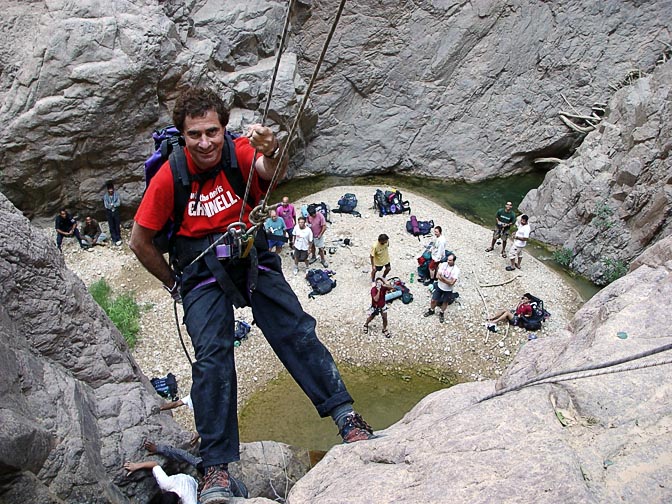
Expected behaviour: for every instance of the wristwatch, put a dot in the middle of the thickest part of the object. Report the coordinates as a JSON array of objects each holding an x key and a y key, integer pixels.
[{"x": 275, "y": 152}]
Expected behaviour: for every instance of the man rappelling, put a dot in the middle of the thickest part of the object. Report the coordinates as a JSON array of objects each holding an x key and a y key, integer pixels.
[{"x": 216, "y": 266}]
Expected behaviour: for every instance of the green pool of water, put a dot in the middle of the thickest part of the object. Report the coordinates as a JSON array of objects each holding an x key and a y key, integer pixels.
[
  {"x": 477, "y": 202},
  {"x": 282, "y": 412}
]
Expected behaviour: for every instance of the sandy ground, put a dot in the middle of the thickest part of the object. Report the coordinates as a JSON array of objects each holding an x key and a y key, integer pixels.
[{"x": 461, "y": 345}]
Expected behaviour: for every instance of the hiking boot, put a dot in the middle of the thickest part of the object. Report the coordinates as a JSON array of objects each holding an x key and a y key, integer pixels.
[
  {"x": 428, "y": 313},
  {"x": 325, "y": 264},
  {"x": 441, "y": 317},
  {"x": 510, "y": 268},
  {"x": 355, "y": 429},
  {"x": 216, "y": 487},
  {"x": 296, "y": 270},
  {"x": 312, "y": 260}
]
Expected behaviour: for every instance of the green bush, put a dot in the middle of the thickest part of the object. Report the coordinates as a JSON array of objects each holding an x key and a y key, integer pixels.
[
  {"x": 603, "y": 214},
  {"x": 613, "y": 269},
  {"x": 123, "y": 310},
  {"x": 563, "y": 256}
]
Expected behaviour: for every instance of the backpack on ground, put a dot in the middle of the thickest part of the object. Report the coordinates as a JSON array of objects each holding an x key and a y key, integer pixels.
[
  {"x": 347, "y": 204},
  {"x": 321, "y": 207},
  {"x": 241, "y": 331},
  {"x": 539, "y": 315},
  {"x": 320, "y": 281},
  {"x": 423, "y": 264},
  {"x": 419, "y": 228},
  {"x": 166, "y": 387},
  {"x": 390, "y": 202},
  {"x": 401, "y": 291},
  {"x": 169, "y": 146}
]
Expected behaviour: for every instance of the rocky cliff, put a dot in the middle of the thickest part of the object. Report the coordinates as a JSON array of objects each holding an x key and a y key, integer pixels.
[
  {"x": 457, "y": 90},
  {"x": 606, "y": 438},
  {"x": 75, "y": 405},
  {"x": 613, "y": 198}
]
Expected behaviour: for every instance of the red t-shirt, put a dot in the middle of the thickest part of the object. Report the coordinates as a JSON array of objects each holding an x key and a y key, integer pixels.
[
  {"x": 524, "y": 310},
  {"x": 219, "y": 204},
  {"x": 381, "y": 299}
]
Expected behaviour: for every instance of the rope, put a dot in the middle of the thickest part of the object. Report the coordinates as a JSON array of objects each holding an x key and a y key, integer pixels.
[
  {"x": 546, "y": 378},
  {"x": 179, "y": 332},
  {"x": 260, "y": 212},
  {"x": 281, "y": 47},
  {"x": 292, "y": 131}
]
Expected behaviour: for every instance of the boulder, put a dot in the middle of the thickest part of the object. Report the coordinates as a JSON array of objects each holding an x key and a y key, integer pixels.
[
  {"x": 604, "y": 438},
  {"x": 75, "y": 404}
]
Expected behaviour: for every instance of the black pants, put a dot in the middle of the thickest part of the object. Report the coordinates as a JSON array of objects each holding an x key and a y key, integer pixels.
[
  {"x": 290, "y": 331},
  {"x": 114, "y": 221}
]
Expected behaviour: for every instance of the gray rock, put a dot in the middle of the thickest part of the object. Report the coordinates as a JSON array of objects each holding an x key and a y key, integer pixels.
[
  {"x": 75, "y": 404},
  {"x": 599, "y": 439},
  {"x": 612, "y": 199}
]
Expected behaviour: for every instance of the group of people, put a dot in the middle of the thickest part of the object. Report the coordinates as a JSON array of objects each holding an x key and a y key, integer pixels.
[
  {"x": 506, "y": 218},
  {"x": 67, "y": 226},
  {"x": 305, "y": 234}
]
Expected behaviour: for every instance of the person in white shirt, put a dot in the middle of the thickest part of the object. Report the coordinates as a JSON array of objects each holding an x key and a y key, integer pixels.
[
  {"x": 438, "y": 250},
  {"x": 519, "y": 242},
  {"x": 302, "y": 237},
  {"x": 447, "y": 274},
  {"x": 182, "y": 485}
]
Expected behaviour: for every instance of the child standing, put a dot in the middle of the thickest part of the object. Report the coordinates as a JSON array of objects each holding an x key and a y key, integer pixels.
[{"x": 378, "y": 305}]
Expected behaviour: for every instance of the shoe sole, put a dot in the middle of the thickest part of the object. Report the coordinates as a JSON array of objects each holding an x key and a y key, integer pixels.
[{"x": 216, "y": 499}]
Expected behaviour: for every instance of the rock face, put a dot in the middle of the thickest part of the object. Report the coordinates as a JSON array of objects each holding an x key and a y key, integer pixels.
[
  {"x": 601, "y": 439},
  {"x": 457, "y": 90},
  {"x": 90, "y": 80},
  {"x": 75, "y": 405},
  {"x": 613, "y": 198}
]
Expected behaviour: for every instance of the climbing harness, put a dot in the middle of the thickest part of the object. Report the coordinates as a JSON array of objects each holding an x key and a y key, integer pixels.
[
  {"x": 239, "y": 231},
  {"x": 598, "y": 368}
]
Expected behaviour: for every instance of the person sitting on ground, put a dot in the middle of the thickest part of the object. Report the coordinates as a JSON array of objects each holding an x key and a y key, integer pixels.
[
  {"x": 378, "y": 305},
  {"x": 380, "y": 256},
  {"x": 522, "y": 310},
  {"x": 301, "y": 240},
  {"x": 437, "y": 250},
  {"x": 91, "y": 233},
  {"x": 318, "y": 225},
  {"x": 66, "y": 227},
  {"x": 182, "y": 485},
  {"x": 275, "y": 231},
  {"x": 443, "y": 295},
  {"x": 505, "y": 219},
  {"x": 519, "y": 243},
  {"x": 287, "y": 213}
]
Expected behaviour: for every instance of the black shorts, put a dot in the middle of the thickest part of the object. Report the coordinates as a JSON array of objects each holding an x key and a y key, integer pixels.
[{"x": 379, "y": 268}]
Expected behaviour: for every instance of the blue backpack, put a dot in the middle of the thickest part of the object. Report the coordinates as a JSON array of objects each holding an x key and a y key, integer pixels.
[
  {"x": 347, "y": 204},
  {"x": 169, "y": 146},
  {"x": 320, "y": 281},
  {"x": 166, "y": 387}
]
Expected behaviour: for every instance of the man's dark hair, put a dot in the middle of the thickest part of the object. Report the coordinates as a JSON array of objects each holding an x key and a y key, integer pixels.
[
  {"x": 382, "y": 238},
  {"x": 195, "y": 102},
  {"x": 110, "y": 185},
  {"x": 301, "y": 218},
  {"x": 439, "y": 228},
  {"x": 453, "y": 256},
  {"x": 524, "y": 216}
]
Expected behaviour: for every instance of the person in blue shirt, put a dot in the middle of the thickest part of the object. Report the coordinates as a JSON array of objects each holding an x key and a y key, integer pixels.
[{"x": 275, "y": 231}]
